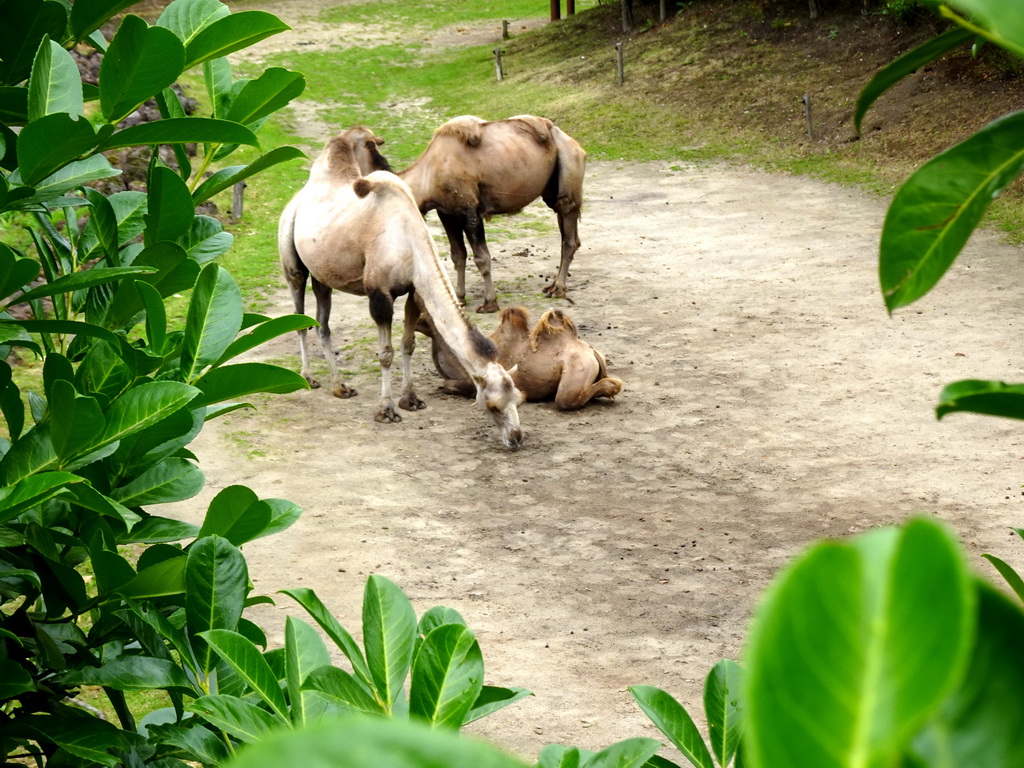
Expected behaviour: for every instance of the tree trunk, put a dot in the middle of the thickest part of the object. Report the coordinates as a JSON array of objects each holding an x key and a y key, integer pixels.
[
  {"x": 627, "y": 15},
  {"x": 813, "y": 8},
  {"x": 556, "y": 10},
  {"x": 570, "y": 7}
]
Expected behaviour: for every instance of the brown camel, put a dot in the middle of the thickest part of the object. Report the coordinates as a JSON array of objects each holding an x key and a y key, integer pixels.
[
  {"x": 473, "y": 168},
  {"x": 365, "y": 236},
  {"x": 550, "y": 360}
]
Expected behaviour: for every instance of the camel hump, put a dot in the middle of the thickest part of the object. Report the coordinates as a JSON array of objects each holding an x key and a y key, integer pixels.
[
  {"x": 516, "y": 317},
  {"x": 539, "y": 128},
  {"x": 552, "y": 323},
  {"x": 467, "y": 129}
]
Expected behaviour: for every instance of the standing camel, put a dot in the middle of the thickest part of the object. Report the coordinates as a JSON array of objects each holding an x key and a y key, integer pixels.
[
  {"x": 365, "y": 236},
  {"x": 473, "y": 168},
  {"x": 549, "y": 361}
]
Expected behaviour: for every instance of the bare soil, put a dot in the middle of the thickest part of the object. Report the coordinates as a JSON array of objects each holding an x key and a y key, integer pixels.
[{"x": 769, "y": 401}]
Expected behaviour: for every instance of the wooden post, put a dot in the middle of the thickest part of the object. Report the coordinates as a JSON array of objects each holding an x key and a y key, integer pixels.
[
  {"x": 236, "y": 206},
  {"x": 504, "y": 29},
  {"x": 497, "y": 64},
  {"x": 807, "y": 116},
  {"x": 570, "y": 7},
  {"x": 627, "y": 15},
  {"x": 662, "y": 11},
  {"x": 619, "y": 67},
  {"x": 556, "y": 10}
]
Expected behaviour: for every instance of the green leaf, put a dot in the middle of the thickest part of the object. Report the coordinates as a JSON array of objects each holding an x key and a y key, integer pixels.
[
  {"x": 128, "y": 207},
  {"x": 171, "y": 212},
  {"x": 246, "y": 659},
  {"x": 1011, "y": 577},
  {"x": 88, "y": 738},
  {"x": 237, "y": 514},
  {"x": 15, "y": 272},
  {"x": 230, "y": 382},
  {"x": 629, "y": 753},
  {"x": 66, "y": 178},
  {"x": 89, "y": 15},
  {"x": 308, "y": 600},
  {"x": 216, "y": 582},
  {"x": 936, "y": 210},
  {"x": 219, "y": 83},
  {"x": 304, "y": 652},
  {"x": 32, "y": 454},
  {"x": 979, "y": 725},
  {"x": 141, "y": 60},
  {"x": 160, "y": 580},
  {"x": 202, "y": 744},
  {"x": 175, "y": 272},
  {"x": 906, "y": 65},
  {"x": 389, "y": 633},
  {"x": 855, "y": 647},
  {"x": 265, "y": 95},
  {"x": 264, "y": 332},
  {"x": 342, "y": 689},
  {"x": 17, "y": 497},
  {"x": 206, "y": 240},
  {"x": 723, "y": 709},
  {"x": 675, "y": 722},
  {"x": 491, "y": 699},
  {"x": 55, "y": 85},
  {"x": 27, "y": 23},
  {"x": 101, "y": 228},
  {"x": 77, "y": 423},
  {"x": 561, "y": 756},
  {"x": 145, "y": 405},
  {"x": 170, "y": 480},
  {"x": 214, "y": 319},
  {"x": 992, "y": 398},
  {"x": 228, "y": 177},
  {"x": 181, "y": 130},
  {"x": 78, "y": 281},
  {"x": 231, "y": 33},
  {"x": 133, "y": 673},
  {"x": 14, "y": 680},
  {"x": 52, "y": 143},
  {"x": 153, "y": 530},
  {"x": 996, "y": 20},
  {"x": 235, "y": 716},
  {"x": 187, "y": 18},
  {"x": 447, "y": 676}
]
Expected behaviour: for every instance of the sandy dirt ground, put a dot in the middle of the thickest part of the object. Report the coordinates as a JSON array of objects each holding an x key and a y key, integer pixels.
[{"x": 769, "y": 401}]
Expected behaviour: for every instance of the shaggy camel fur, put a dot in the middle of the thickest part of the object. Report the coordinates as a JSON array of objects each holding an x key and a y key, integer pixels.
[
  {"x": 473, "y": 168},
  {"x": 365, "y": 236},
  {"x": 550, "y": 360}
]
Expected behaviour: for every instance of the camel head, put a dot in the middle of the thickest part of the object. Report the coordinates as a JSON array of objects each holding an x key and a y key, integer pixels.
[
  {"x": 496, "y": 392},
  {"x": 365, "y": 148}
]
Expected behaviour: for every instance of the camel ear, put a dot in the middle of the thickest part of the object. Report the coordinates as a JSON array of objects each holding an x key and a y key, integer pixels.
[
  {"x": 378, "y": 141},
  {"x": 512, "y": 371}
]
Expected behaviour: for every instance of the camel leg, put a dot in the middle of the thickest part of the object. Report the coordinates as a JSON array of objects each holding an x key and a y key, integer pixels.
[
  {"x": 409, "y": 401},
  {"x": 568, "y": 223},
  {"x": 295, "y": 274},
  {"x": 482, "y": 257},
  {"x": 571, "y": 396},
  {"x": 382, "y": 310},
  {"x": 323, "y": 316},
  {"x": 453, "y": 228}
]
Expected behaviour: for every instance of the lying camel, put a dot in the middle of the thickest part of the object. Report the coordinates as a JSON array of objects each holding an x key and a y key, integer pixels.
[
  {"x": 550, "y": 360},
  {"x": 473, "y": 168},
  {"x": 364, "y": 235}
]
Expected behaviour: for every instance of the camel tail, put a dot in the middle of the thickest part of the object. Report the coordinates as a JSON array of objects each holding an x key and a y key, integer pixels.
[{"x": 362, "y": 187}]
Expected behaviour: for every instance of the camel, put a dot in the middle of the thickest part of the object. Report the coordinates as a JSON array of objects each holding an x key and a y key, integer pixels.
[
  {"x": 473, "y": 169},
  {"x": 364, "y": 235},
  {"x": 550, "y": 360}
]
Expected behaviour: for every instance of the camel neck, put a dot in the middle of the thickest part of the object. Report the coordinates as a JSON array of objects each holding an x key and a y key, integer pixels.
[{"x": 418, "y": 178}]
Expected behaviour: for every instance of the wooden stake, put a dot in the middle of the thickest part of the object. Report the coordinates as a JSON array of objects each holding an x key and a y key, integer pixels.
[
  {"x": 236, "y": 204},
  {"x": 807, "y": 116},
  {"x": 619, "y": 65},
  {"x": 504, "y": 29},
  {"x": 497, "y": 64}
]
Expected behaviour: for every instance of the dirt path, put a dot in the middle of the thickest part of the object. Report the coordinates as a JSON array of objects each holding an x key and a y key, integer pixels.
[{"x": 769, "y": 401}]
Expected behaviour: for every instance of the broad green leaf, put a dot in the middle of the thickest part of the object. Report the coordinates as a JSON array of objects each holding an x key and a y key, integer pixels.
[
  {"x": 55, "y": 85},
  {"x": 979, "y": 724},
  {"x": 491, "y": 699},
  {"x": 995, "y": 19},
  {"x": 170, "y": 480},
  {"x": 141, "y": 60},
  {"x": 76, "y": 424},
  {"x": 723, "y": 709},
  {"x": 389, "y": 633},
  {"x": 144, "y": 405},
  {"x": 88, "y": 497},
  {"x": 304, "y": 652},
  {"x": 447, "y": 676},
  {"x": 283, "y": 514},
  {"x": 855, "y": 647},
  {"x": 264, "y": 332},
  {"x": 32, "y": 454},
  {"x": 906, "y": 65},
  {"x": 370, "y": 743},
  {"x": 156, "y": 316},
  {"x": 218, "y": 79},
  {"x": 52, "y": 143},
  {"x": 216, "y": 583},
  {"x": 228, "y": 177},
  {"x": 561, "y": 756},
  {"x": 111, "y": 570},
  {"x": 206, "y": 240},
  {"x": 247, "y": 661},
  {"x": 342, "y": 689},
  {"x": 101, "y": 231},
  {"x": 235, "y": 716},
  {"x": 237, "y": 514},
  {"x": 187, "y": 18},
  {"x": 675, "y": 722},
  {"x": 88, "y": 738},
  {"x": 153, "y": 530},
  {"x": 27, "y": 23},
  {"x": 128, "y": 208},
  {"x": 181, "y": 130},
  {"x": 160, "y": 580},
  {"x": 89, "y": 15},
  {"x": 629, "y": 753},
  {"x": 15, "y": 272},
  {"x": 13, "y": 109},
  {"x": 1011, "y": 577},
  {"x": 993, "y": 398},
  {"x": 230, "y": 382},
  {"x": 18, "y": 497},
  {"x": 170, "y": 213},
  {"x": 307, "y": 599},
  {"x": 201, "y": 744},
  {"x": 436, "y": 617},
  {"x": 132, "y": 673},
  {"x": 66, "y": 178},
  {"x": 214, "y": 319},
  {"x": 103, "y": 372},
  {"x": 265, "y": 95},
  {"x": 78, "y": 281},
  {"x": 936, "y": 210},
  {"x": 14, "y": 679},
  {"x": 175, "y": 272},
  {"x": 231, "y": 33}
]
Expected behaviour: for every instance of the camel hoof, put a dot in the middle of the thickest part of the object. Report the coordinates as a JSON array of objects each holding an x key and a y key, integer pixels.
[
  {"x": 344, "y": 392},
  {"x": 313, "y": 383},
  {"x": 387, "y": 415},
  {"x": 411, "y": 403},
  {"x": 490, "y": 306},
  {"x": 555, "y": 292}
]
